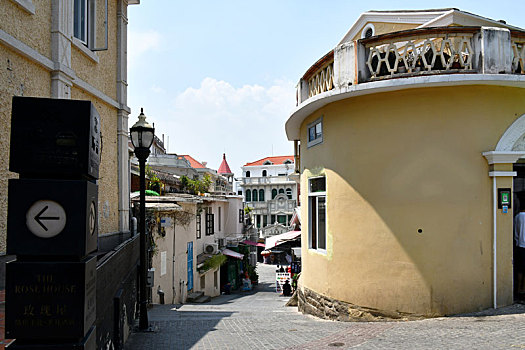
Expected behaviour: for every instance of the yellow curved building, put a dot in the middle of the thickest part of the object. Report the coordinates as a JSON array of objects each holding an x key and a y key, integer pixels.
[{"x": 408, "y": 136}]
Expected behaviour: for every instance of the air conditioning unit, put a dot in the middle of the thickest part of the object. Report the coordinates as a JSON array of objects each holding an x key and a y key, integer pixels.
[{"x": 211, "y": 248}]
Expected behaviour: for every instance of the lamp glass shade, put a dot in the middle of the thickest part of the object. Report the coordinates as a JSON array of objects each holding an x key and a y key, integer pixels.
[
  {"x": 147, "y": 138},
  {"x": 142, "y": 137},
  {"x": 135, "y": 138},
  {"x": 142, "y": 133}
]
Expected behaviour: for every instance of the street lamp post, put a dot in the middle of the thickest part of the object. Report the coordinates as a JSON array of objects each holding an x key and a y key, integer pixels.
[{"x": 142, "y": 135}]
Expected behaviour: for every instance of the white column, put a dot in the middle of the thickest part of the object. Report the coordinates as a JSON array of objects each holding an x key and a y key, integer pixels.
[
  {"x": 61, "y": 36},
  {"x": 122, "y": 115}
]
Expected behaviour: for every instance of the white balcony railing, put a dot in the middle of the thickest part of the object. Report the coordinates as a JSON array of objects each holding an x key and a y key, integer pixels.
[
  {"x": 440, "y": 50},
  {"x": 256, "y": 205},
  {"x": 266, "y": 180},
  {"x": 425, "y": 51},
  {"x": 518, "y": 52}
]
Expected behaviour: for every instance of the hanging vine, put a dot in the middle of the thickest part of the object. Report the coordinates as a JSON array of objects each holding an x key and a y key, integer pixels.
[{"x": 183, "y": 218}]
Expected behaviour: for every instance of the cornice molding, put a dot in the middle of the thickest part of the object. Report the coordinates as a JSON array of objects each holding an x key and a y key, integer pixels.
[
  {"x": 312, "y": 104},
  {"x": 500, "y": 157}
]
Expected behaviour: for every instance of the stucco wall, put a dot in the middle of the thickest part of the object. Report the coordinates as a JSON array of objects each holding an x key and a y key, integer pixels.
[
  {"x": 231, "y": 216},
  {"x": 176, "y": 272},
  {"x": 18, "y": 76},
  {"x": 101, "y": 75},
  {"x": 108, "y": 180},
  {"x": 402, "y": 161},
  {"x": 21, "y": 76},
  {"x": 34, "y": 30},
  {"x": 163, "y": 244},
  {"x": 209, "y": 288}
]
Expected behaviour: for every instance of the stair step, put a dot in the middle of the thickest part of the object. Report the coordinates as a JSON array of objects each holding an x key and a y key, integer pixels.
[
  {"x": 202, "y": 299},
  {"x": 194, "y": 296}
]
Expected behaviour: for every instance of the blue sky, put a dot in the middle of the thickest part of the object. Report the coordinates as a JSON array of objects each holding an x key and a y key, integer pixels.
[{"x": 219, "y": 76}]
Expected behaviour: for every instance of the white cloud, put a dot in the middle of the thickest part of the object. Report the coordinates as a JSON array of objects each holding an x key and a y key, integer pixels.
[
  {"x": 157, "y": 89},
  {"x": 140, "y": 43},
  {"x": 246, "y": 122},
  {"x": 215, "y": 100}
]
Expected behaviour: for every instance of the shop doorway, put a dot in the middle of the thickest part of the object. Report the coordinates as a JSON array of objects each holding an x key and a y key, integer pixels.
[{"x": 518, "y": 205}]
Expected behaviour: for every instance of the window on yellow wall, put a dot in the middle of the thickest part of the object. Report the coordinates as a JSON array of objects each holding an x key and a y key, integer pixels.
[
  {"x": 317, "y": 213},
  {"x": 315, "y": 132},
  {"x": 80, "y": 20},
  {"x": 89, "y": 27}
]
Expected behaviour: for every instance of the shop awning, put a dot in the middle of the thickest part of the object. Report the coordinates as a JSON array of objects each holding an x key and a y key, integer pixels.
[
  {"x": 232, "y": 253},
  {"x": 253, "y": 243},
  {"x": 282, "y": 238}
]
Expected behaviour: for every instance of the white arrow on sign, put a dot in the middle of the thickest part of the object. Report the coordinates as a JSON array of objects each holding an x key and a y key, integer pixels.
[
  {"x": 92, "y": 218},
  {"x": 46, "y": 218}
]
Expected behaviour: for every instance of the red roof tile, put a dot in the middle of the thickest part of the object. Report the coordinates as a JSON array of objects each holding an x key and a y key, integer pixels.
[
  {"x": 224, "y": 168},
  {"x": 274, "y": 160},
  {"x": 194, "y": 163}
]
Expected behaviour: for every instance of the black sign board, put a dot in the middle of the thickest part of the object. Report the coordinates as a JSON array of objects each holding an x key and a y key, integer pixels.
[
  {"x": 54, "y": 138},
  {"x": 52, "y": 218},
  {"x": 50, "y": 300}
]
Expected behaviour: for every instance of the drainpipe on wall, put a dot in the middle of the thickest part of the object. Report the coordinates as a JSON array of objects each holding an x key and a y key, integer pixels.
[
  {"x": 173, "y": 266},
  {"x": 494, "y": 243}
]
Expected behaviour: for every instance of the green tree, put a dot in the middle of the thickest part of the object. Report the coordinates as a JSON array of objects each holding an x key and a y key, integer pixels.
[
  {"x": 154, "y": 183},
  {"x": 195, "y": 186}
]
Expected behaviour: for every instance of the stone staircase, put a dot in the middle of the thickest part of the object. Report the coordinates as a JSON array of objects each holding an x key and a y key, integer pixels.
[{"x": 198, "y": 298}]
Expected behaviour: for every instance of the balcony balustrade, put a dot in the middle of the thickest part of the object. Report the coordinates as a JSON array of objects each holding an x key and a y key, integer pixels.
[
  {"x": 257, "y": 205},
  {"x": 266, "y": 180},
  {"x": 416, "y": 52}
]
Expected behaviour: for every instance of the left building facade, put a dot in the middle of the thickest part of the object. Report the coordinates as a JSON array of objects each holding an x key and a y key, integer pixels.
[
  {"x": 74, "y": 49},
  {"x": 58, "y": 49}
]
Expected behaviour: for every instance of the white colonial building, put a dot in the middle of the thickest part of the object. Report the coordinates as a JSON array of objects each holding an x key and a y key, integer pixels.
[{"x": 269, "y": 190}]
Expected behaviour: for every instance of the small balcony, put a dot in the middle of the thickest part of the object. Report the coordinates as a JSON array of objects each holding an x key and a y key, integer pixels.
[
  {"x": 414, "y": 53},
  {"x": 257, "y": 205},
  {"x": 266, "y": 180}
]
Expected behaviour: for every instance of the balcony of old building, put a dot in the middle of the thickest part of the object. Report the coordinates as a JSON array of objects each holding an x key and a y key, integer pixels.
[
  {"x": 438, "y": 56},
  {"x": 267, "y": 180},
  {"x": 415, "y": 53}
]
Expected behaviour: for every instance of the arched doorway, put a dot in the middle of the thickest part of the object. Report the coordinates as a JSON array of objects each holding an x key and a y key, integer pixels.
[{"x": 507, "y": 170}]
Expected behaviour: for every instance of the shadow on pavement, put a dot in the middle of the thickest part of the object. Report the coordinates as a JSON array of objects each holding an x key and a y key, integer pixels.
[
  {"x": 514, "y": 309},
  {"x": 229, "y": 298},
  {"x": 182, "y": 330}
]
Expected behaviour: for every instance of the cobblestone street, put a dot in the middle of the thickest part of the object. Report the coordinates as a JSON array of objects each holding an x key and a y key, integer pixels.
[{"x": 259, "y": 320}]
